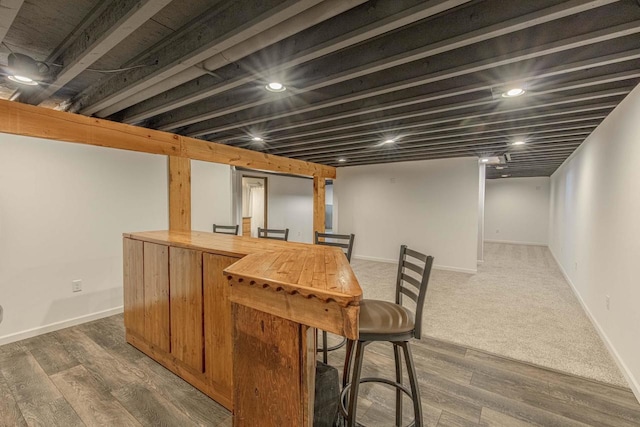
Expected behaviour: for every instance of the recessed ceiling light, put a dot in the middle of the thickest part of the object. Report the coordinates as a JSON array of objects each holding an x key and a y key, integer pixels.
[
  {"x": 275, "y": 87},
  {"x": 516, "y": 91},
  {"x": 505, "y": 176},
  {"x": 389, "y": 141},
  {"x": 499, "y": 167},
  {"x": 257, "y": 139},
  {"x": 342, "y": 160},
  {"x": 484, "y": 160},
  {"x": 23, "y": 80},
  {"x": 518, "y": 143}
]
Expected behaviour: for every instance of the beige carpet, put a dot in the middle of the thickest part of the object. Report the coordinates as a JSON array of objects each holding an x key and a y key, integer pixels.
[{"x": 518, "y": 305}]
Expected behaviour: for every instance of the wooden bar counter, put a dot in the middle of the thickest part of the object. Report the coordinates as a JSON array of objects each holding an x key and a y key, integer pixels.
[{"x": 236, "y": 316}]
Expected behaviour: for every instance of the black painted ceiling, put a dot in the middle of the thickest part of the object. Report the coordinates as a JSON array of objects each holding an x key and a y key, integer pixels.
[{"x": 426, "y": 74}]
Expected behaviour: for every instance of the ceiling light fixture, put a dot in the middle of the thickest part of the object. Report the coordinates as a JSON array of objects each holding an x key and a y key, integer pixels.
[
  {"x": 257, "y": 139},
  {"x": 342, "y": 160},
  {"x": 505, "y": 176},
  {"x": 513, "y": 92},
  {"x": 275, "y": 87},
  {"x": 23, "y": 80},
  {"x": 23, "y": 69},
  {"x": 389, "y": 141},
  {"x": 518, "y": 143},
  {"x": 484, "y": 160},
  {"x": 499, "y": 167}
]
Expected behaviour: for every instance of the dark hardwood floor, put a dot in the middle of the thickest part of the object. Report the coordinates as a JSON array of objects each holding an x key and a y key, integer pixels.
[{"x": 88, "y": 375}]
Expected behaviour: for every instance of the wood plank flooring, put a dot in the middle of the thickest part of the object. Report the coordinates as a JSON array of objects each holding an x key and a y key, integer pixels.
[{"x": 88, "y": 375}]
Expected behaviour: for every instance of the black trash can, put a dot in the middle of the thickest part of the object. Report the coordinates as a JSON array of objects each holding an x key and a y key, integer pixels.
[{"x": 325, "y": 408}]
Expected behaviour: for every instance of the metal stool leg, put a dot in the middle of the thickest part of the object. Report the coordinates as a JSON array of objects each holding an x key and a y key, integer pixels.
[
  {"x": 347, "y": 363},
  {"x": 413, "y": 380},
  {"x": 355, "y": 385},
  {"x": 398, "y": 361},
  {"x": 324, "y": 346}
]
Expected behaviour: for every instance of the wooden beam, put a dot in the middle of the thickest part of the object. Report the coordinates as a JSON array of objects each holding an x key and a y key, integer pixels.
[
  {"x": 179, "y": 193},
  {"x": 319, "y": 202},
  {"x": 198, "y": 149},
  {"x": 29, "y": 120}
]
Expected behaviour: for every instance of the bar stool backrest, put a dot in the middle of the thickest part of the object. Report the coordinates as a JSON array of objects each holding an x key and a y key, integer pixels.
[
  {"x": 272, "y": 233},
  {"x": 344, "y": 241},
  {"x": 414, "y": 286},
  {"x": 226, "y": 229}
]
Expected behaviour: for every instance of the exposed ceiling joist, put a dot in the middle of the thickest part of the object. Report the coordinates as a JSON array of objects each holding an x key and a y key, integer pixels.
[
  {"x": 476, "y": 118},
  {"x": 227, "y": 25},
  {"x": 8, "y": 11},
  {"x": 469, "y": 147},
  {"x": 191, "y": 78},
  {"x": 498, "y": 106},
  {"x": 106, "y": 31},
  {"x": 453, "y": 133},
  {"x": 430, "y": 75},
  {"x": 501, "y": 138},
  {"x": 209, "y": 110},
  {"x": 369, "y": 107},
  {"x": 205, "y": 127}
]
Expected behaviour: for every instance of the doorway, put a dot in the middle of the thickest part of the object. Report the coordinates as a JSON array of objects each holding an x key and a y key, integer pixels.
[{"x": 254, "y": 204}]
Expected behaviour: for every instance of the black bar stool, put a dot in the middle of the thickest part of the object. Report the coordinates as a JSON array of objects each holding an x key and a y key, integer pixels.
[
  {"x": 272, "y": 233},
  {"x": 226, "y": 229},
  {"x": 344, "y": 241},
  {"x": 386, "y": 321}
]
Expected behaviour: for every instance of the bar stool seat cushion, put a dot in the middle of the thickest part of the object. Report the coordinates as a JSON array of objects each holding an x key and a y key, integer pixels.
[{"x": 383, "y": 317}]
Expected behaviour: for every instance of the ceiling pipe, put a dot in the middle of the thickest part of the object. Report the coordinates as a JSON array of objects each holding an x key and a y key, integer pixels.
[{"x": 306, "y": 19}]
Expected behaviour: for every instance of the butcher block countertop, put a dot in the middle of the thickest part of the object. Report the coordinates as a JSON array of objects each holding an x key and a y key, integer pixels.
[{"x": 311, "y": 271}]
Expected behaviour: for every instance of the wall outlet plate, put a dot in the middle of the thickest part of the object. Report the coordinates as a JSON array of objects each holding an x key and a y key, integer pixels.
[{"x": 76, "y": 286}]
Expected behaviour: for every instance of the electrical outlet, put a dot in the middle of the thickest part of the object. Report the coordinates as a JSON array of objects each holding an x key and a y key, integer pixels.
[
  {"x": 1, "y": 313},
  {"x": 76, "y": 286},
  {"x": 608, "y": 301}
]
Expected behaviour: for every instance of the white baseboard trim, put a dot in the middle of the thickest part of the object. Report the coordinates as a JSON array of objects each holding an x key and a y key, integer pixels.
[
  {"x": 40, "y": 330},
  {"x": 435, "y": 266},
  {"x": 511, "y": 242},
  {"x": 633, "y": 382}
]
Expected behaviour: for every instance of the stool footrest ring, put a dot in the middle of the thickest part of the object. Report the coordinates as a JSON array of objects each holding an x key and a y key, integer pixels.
[
  {"x": 332, "y": 348},
  {"x": 397, "y": 385}
]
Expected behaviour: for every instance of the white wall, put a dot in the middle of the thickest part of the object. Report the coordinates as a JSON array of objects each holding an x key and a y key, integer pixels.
[
  {"x": 517, "y": 210},
  {"x": 210, "y": 195},
  {"x": 289, "y": 204},
  {"x": 431, "y": 206},
  {"x": 63, "y": 209},
  {"x": 595, "y": 232},
  {"x": 482, "y": 178}
]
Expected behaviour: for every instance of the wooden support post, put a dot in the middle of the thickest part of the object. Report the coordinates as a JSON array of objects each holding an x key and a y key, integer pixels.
[
  {"x": 179, "y": 193},
  {"x": 319, "y": 209},
  {"x": 274, "y": 364}
]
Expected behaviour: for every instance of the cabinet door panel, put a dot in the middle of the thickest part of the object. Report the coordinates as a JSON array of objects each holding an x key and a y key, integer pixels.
[
  {"x": 156, "y": 295},
  {"x": 132, "y": 251},
  {"x": 217, "y": 322},
  {"x": 185, "y": 278}
]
